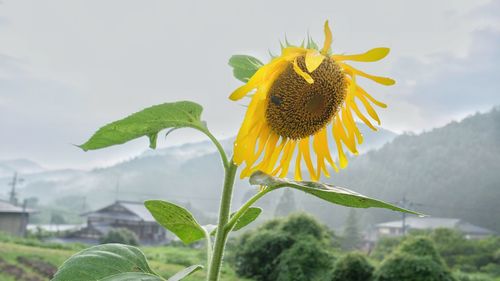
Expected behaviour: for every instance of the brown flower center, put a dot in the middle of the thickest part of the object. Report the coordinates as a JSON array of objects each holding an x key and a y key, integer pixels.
[{"x": 297, "y": 109}]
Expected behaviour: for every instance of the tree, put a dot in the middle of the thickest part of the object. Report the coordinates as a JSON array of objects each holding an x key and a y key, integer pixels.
[
  {"x": 416, "y": 259},
  {"x": 352, "y": 267},
  {"x": 286, "y": 205},
  {"x": 306, "y": 260},
  {"x": 295, "y": 248},
  {"x": 120, "y": 235},
  {"x": 351, "y": 238}
]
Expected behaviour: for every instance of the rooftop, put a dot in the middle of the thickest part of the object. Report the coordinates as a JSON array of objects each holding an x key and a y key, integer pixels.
[
  {"x": 138, "y": 210},
  {"x": 7, "y": 207},
  {"x": 433, "y": 223}
]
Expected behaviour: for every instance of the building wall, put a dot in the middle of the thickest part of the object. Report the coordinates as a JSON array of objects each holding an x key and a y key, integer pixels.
[{"x": 14, "y": 223}]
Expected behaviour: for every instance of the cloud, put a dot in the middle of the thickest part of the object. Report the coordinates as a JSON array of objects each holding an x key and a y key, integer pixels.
[
  {"x": 72, "y": 66},
  {"x": 443, "y": 86}
]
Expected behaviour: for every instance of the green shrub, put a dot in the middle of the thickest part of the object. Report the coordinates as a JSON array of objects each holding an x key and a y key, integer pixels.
[
  {"x": 461, "y": 276},
  {"x": 416, "y": 259},
  {"x": 406, "y": 267},
  {"x": 295, "y": 248},
  {"x": 257, "y": 255},
  {"x": 120, "y": 235},
  {"x": 352, "y": 267},
  {"x": 421, "y": 246},
  {"x": 306, "y": 260},
  {"x": 491, "y": 268},
  {"x": 384, "y": 247}
]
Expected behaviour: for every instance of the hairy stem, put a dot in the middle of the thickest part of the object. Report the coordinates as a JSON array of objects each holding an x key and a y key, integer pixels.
[
  {"x": 221, "y": 235},
  {"x": 217, "y": 144}
]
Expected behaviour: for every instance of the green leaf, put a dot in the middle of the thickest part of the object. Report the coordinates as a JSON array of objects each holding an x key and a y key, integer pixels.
[
  {"x": 133, "y": 276},
  {"x": 244, "y": 67},
  {"x": 106, "y": 262},
  {"x": 249, "y": 216},
  {"x": 311, "y": 44},
  {"x": 185, "y": 272},
  {"x": 333, "y": 194},
  {"x": 148, "y": 122},
  {"x": 176, "y": 219}
]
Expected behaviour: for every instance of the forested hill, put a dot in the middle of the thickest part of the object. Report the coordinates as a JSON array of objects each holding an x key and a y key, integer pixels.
[{"x": 453, "y": 171}]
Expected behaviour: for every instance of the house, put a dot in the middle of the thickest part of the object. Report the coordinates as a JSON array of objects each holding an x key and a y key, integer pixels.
[
  {"x": 122, "y": 214},
  {"x": 395, "y": 228},
  {"x": 13, "y": 219}
]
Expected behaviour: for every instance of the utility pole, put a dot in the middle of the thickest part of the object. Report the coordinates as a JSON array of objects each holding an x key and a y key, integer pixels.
[
  {"x": 13, "y": 193},
  {"x": 406, "y": 204}
]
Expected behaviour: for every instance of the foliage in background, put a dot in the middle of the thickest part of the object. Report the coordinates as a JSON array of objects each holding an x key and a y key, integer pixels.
[
  {"x": 296, "y": 248},
  {"x": 286, "y": 205},
  {"x": 459, "y": 253},
  {"x": 352, "y": 267},
  {"x": 415, "y": 260},
  {"x": 120, "y": 235},
  {"x": 351, "y": 238}
]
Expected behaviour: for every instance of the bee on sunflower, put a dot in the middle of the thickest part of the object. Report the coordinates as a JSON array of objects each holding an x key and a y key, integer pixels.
[{"x": 295, "y": 99}]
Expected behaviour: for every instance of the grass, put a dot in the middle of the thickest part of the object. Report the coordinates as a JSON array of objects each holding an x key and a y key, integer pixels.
[{"x": 165, "y": 260}]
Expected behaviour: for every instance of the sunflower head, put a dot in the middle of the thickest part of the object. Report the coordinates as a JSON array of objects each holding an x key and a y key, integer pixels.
[{"x": 299, "y": 100}]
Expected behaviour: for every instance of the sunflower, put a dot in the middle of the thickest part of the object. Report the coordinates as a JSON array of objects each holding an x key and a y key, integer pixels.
[{"x": 296, "y": 99}]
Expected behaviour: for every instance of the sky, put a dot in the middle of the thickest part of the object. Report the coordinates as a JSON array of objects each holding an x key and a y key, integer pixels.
[{"x": 69, "y": 67}]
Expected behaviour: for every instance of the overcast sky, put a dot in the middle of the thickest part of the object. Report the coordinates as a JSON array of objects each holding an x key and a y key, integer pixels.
[{"x": 68, "y": 67}]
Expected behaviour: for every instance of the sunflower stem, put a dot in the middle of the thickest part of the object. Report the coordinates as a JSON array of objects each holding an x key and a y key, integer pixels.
[
  {"x": 221, "y": 235},
  {"x": 217, "y": 144}
]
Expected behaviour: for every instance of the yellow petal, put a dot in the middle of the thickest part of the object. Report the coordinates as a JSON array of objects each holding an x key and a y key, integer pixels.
[
  {"x": 373, "y": 114},
  {"x": 340, "y": 150},
  {"x": 322, "y": 139},
  {"x": 313, "y": 60},
  {"x": 361, "y": 92},
  {"x": 370, "y": 56},
  {"x": 299, "y": 71},
  {"x": 363, "y": 117},
  {"x": 287, "y": 157},
  {"x": 276, "y": 65},
  {"x": 304, "y": 147},
  {"x": 322, "y": 152},
  {"x": 292, "y": 52},
  {"x": 350, "y": 124},
  {"x": 298, "y": 171},
  {"x": 381, "y": 80},
  {"x": 328, "y": 39},
  {"x": 269, "y": 166}
]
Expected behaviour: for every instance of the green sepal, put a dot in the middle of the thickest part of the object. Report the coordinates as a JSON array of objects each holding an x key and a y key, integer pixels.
[{"x": 244, "y": 67}]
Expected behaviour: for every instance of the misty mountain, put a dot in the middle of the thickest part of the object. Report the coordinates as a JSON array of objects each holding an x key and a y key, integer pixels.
[{"x": 22, "y": 166}]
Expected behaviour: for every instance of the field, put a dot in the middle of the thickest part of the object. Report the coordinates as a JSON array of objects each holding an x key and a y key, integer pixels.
[{"x": 37, "y": 263}]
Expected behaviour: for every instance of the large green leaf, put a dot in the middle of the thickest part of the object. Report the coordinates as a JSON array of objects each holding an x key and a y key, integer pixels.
[
  {"x": 133, "y": 276},
  {"x": 106, "y": 262},
  {"x": 333, "y": 194},
  {"x": 185, "y": 273},
  {"x": 176, "y": 219},
  {"x": 248, "y": 216},
  {"x": 148, "y": 122},
  {"x": 244, "y": 67}
]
